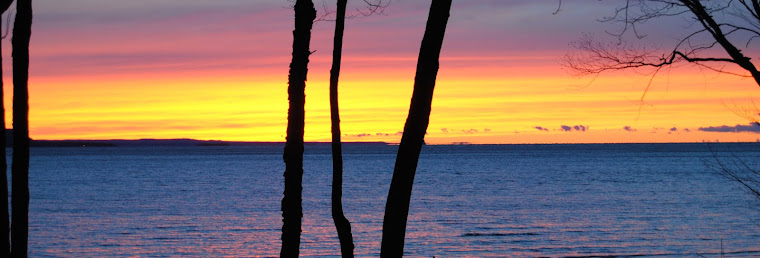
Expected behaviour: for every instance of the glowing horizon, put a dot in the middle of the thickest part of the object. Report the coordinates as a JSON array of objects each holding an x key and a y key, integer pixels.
[{"x": 219, "y": 72}]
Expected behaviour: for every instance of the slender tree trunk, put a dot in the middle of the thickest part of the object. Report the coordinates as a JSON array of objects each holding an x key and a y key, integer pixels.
[
  {"x": 400, "y": 192},
  {"x": 342, "y": 225},
  {"x": 5, "y": 241},
  {"x": 22, "y": 32},
  {"x": 292, "y": 210}
]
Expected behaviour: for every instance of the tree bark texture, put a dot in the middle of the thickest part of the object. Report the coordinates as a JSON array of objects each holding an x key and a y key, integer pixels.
[
  {"x": 399, "y": 194},
  {"x": 342, "y": 225},
  {"x": 292, "y": 210}
]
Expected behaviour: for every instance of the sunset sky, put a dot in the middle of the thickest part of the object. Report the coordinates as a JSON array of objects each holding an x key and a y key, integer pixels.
[{"x": 111, "y": 69}]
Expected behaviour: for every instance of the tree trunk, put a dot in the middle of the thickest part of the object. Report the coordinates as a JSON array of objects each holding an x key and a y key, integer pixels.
[
  {"x": 22, "y": 32},
  {"x": 5, "y": 241},
  {"x": 342, "y": 225},
  {"x": 292, "y": 211},
  {"x": 399, "y": 194}
]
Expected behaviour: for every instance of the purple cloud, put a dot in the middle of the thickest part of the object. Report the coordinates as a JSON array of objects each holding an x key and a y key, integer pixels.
[
  {"x": 751, "y": 128},
  {"x": 577, "y": 128},
  {"x": 470, "y": 131}
]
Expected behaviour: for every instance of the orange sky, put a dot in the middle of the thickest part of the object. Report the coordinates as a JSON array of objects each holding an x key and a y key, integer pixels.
[{"x": 219, "y": 71}]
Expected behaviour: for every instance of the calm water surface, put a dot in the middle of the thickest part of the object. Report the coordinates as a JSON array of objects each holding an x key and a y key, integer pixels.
[{"x": 471, "y": 200}]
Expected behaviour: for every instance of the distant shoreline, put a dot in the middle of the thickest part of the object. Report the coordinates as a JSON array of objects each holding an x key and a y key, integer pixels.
[
  {"x": 169, "y": 143},
  {"x": 186, "y": 142},
  {"x": 218, "y": 143}
]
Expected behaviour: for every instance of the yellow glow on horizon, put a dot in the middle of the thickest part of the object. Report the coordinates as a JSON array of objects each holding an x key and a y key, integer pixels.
[{"x": 489, "y": 108}]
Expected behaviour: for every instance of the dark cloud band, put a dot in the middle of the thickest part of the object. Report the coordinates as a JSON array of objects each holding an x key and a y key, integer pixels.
[{"x": 751, "y": 128}]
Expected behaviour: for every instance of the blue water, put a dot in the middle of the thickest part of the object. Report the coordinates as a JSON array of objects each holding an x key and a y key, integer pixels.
[{"x": 470, "y": 200}]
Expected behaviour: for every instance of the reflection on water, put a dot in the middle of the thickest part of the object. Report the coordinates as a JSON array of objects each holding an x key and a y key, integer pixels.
[{"x": 478, "y": 201}]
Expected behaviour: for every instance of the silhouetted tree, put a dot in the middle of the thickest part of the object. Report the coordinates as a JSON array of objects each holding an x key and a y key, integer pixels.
[
  {"x": 292, "y": 210},
  {"x": 22, "y": 32},
  {"x": 342, "y": 225},
  {"x": 735, "y": 168},
  {"x": 727, "y": 25},
  {"x": 738, "y": 170},
  {"x": 5, "y": 245},
  {"x": 400, "y": 192},
  {"x": 738, "y": 25}
]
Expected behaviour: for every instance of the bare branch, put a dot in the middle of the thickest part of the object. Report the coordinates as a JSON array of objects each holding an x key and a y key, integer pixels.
[
  {"x": 749, "y": 112},
  {"x": 373, "y": 7},
  {"x": 559, "y": 8},
  {"x": 596, "y": 57},
  {"x": 697, "y": 47},
  {"x": 712, "y": 26},
  {"x": 631, "y": 19},
  {"x": 738, "y": 171},
  {"x": 325, "y": 14}
]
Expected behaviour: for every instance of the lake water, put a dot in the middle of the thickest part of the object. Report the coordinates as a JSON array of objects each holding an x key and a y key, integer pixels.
[{"x": 469, "y": 200}]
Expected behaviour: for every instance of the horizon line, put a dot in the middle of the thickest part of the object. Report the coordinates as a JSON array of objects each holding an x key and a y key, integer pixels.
[{"x": 365, "y": 142}]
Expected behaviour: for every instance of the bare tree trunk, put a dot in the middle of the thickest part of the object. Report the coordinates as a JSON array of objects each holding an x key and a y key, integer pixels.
[
  {"x": 400, "y": 192},
  {"x": 292, "y": 210},
  {"x": 342, "y": 225},
  {"x": 22, "y": 32},
  {"x": 5, "y": 241}
]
